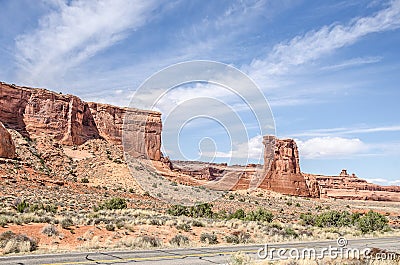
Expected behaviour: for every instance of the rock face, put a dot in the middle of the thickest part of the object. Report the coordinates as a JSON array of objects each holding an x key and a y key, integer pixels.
[
  {"x": 71, "y": 121},
  {"x": 7, "y": 147},
  {"x": 284, "y": 175}
]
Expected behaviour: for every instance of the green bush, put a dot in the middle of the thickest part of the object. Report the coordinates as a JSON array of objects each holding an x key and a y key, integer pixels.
[
  {"x": 261, "y": 215},
  {"x": 22, "y": 206},
  {"x": 307, "y": 219},
  {"x": 291, "y": 233},
  {"x": 239, "y": 214},
  {"x": 334, "y": 219},
  {"x": 114, "y": 204},
  {"x": 197, "y": 211},
  {"x": 372, "y": 221},
  {"x": 178, "y": 210}
]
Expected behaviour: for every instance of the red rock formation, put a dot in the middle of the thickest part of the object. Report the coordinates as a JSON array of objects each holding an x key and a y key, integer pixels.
[
  {"x": 347, "y": 186},
  {"x": 284, "y": 175},
  {"x": 71, "y": 121},
  {"x": 7, "y": 147}
]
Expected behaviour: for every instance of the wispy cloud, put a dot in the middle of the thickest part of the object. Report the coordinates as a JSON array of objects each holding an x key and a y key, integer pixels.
[
  {"x": 353, "y": 62},
  {"x": 74, "y": 32},
  {"x": 346, "y": 131},
  {"x": 315, "y": 44},
  {"x": 285, "y": 57}
]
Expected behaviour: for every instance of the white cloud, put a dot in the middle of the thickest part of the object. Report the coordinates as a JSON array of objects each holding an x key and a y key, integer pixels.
[
  {"x": 314, "y": 44},
  {"x": 74, "y": 32},
  {"x": 330, "y": 147}
]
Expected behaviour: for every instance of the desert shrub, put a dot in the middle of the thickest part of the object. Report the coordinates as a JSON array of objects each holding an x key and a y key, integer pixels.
[
  {"x": 291, "y": 233},
  {"x": 334, "y": 219},
  {"x": 372, "y": 221},
  {"x": 155, "y": 222},
  {"x": 113, "y": 204},
  {"x": 148, "y": 242},
  {"x": 238, "y": 237},
  {"x": 201, "y": 210},
  {"x": 239, "y": 214},
  {"x": 66, "y": 223},
  {"x": 208, "y": 238},
  {"x": 307, "y": 219},
  {"x": 85, "y": 180},
  {"x": 184, "y": 227},
  {"x": 110, "y": 227},
  {"x": 50, "y": 230},
  {"x": 22, "y": 206},
  {"x": 179, "y": 240},
  {"x": 232, "y": 239},
  {"x": 261, "y": 215},
  {"x": 3, "y": 221},
  {"x": 16, "y": 243},
  {"x": 197, "y": 211},
  {"x": 196, "y": 223},
  {"x": 50, "y": 208}
]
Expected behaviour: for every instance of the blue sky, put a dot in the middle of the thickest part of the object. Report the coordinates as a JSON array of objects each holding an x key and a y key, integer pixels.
[{"x": 329, "y": 69}]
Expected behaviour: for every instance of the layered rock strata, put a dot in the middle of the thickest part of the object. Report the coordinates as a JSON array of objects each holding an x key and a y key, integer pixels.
[{"x": 70, "y": 121}]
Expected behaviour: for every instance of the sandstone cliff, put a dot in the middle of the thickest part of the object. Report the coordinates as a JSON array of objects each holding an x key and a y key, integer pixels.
[
  {"x": 7, "y": 147},
  {"x": 69, "y": 120}
]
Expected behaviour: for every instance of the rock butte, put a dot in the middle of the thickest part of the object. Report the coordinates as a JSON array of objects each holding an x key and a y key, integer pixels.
[{"x": 70, "y": 121}]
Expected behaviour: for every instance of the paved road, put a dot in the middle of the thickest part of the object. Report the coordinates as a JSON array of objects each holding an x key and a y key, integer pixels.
[{"x": 200, "y": 256}]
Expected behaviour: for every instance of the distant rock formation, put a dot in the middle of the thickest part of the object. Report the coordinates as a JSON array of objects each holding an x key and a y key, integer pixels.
[
  {"x": 7, "y": 147},
  {"x": 71, "y": 121},
  {"x": 346, "y": 186},
  {"x": 284, "y": 175}
]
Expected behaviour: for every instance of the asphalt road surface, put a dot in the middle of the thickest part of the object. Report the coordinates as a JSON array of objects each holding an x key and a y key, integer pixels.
[{"x": 200, "y": 256}]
